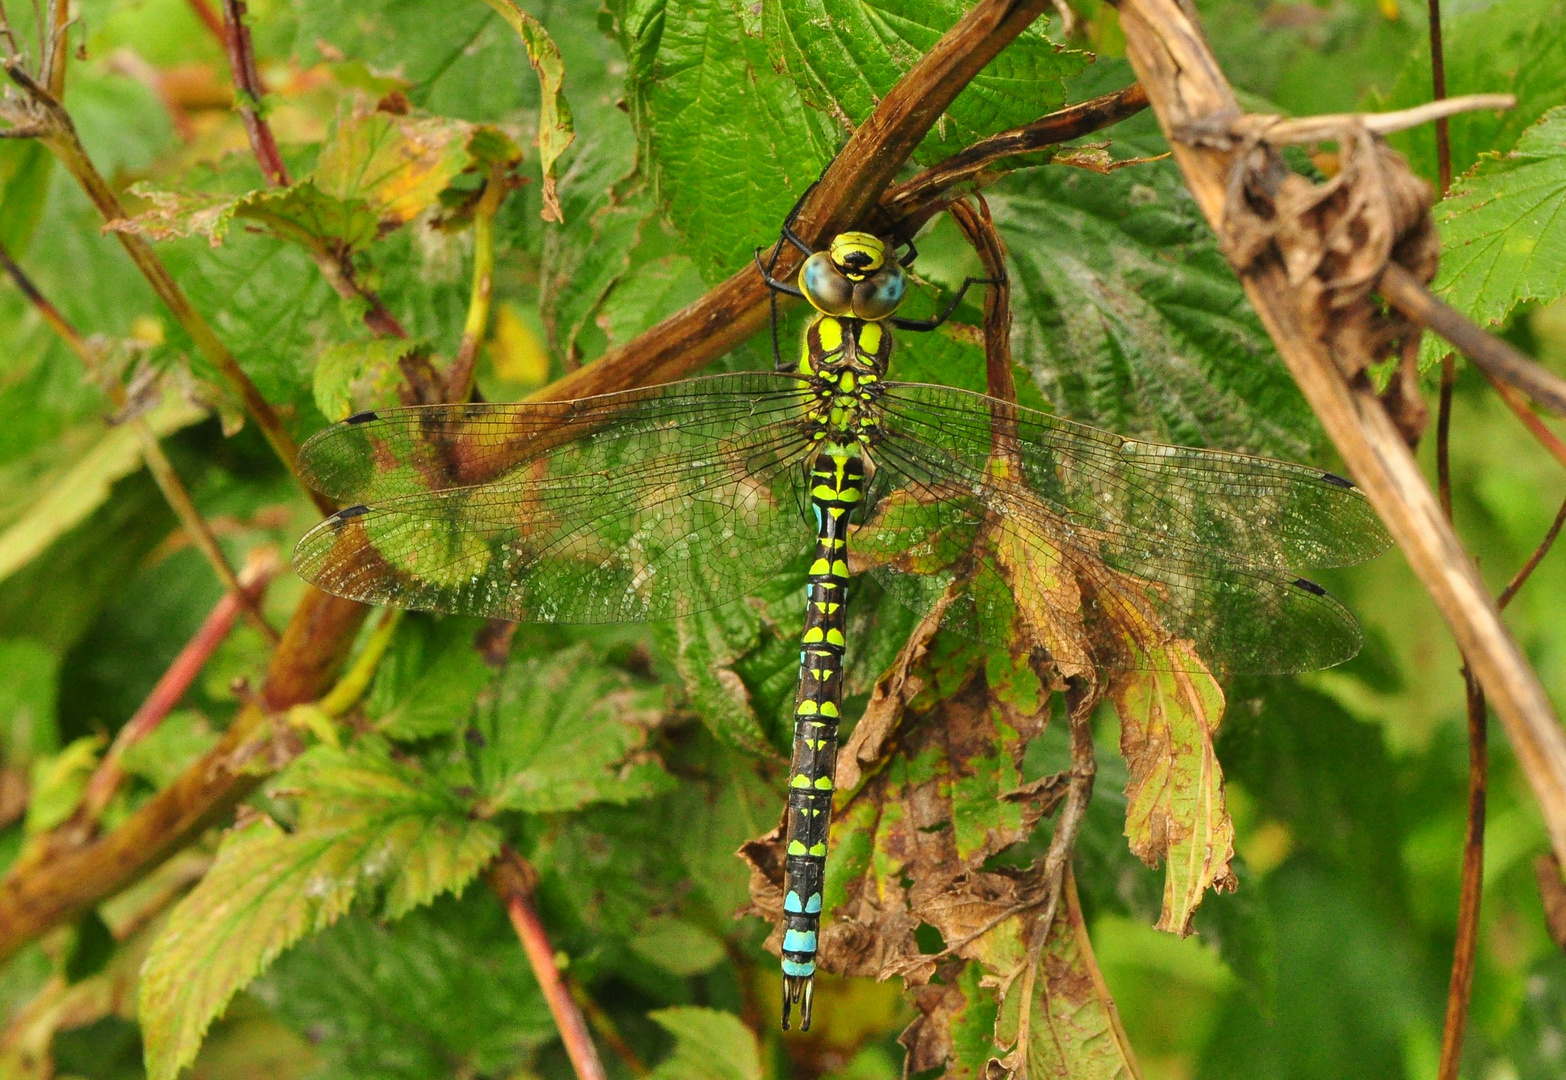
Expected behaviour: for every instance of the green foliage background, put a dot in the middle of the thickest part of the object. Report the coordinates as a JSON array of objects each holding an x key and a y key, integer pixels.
[{"x": 629, "y": 763}]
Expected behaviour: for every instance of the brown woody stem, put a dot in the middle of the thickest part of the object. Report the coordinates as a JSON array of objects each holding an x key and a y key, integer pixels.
[
  {"x": 914, "y": 202},
  {"x": 513, "y": 881},
  {"x": 1497, "y": 358},
  {"x": 70, "y": 876},
  {"x": 736, "y": 309},
  {"x": 1465, "y": 952},
  {"x": 1172, "y": 60}
]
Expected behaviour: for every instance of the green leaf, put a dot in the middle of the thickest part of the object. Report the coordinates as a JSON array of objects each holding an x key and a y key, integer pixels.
[
  {"x": 58, "y": 783},
  {"x": 160, "y": 756},
  {"x": 27, "y": 702},
  {"x": 731, "y": 141},
  {"x": 375, "y": 174},
  {"x": 739, "y": 662},
  {"x": 463, "y": 63},
  {"x": 564, "y": 731},
  {"x": 360, "y": 375},
  {"x": 367, "y": 825},
  {"x": 1503, "y": 230},
  {"x": 431, "y": 679},
  {"x": 1131, "y": 320},
  {"x": 708, "y": 1045},
  {"x": 1068, "y": 1025},
  {"x": 555, "y": 130},
  {"x": 845, "y": 57},
  {"x": 445, "y": 991}
]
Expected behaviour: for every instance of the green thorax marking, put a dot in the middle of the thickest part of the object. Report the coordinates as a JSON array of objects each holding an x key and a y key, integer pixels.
[{"x": 846, "y": 360}]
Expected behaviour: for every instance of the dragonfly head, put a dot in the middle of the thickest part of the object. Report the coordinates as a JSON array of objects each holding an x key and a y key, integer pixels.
[{"x": 856, "y": 276}]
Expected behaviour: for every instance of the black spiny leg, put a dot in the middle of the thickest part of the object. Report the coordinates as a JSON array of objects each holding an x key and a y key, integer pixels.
[
  {"x": 921, "y": 325},
  {"x": 773, "y": 283}
]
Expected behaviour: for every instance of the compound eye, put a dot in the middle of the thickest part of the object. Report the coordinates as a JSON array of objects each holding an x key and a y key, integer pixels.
[
  {"x": 827, "y": 290},
  {"x": 879, "y": 295}
]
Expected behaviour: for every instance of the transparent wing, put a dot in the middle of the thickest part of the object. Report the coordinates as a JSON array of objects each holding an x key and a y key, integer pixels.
[
  {"x": 1237, "y": 510},
  {"x": 1090, "y": 588},
  {"x": 382, "y": 455},
  {"x": 684, "y": 501}
]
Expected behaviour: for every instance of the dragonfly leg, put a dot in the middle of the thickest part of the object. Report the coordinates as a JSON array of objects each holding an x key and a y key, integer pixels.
[{"x": 922, "y": 325}]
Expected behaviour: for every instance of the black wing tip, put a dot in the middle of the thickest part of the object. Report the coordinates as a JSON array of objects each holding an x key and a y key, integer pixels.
[
  {"x": 1309, "y": 586},
  {"x": 348, "y": 513},
  {"x": 1339, "y": 481},
  {"x": 362, "y": 417}
]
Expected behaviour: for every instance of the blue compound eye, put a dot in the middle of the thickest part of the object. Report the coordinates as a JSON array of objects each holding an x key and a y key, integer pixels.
[
  {"x": 880, "y": 294},
  {"x": 827, "y": 290}
]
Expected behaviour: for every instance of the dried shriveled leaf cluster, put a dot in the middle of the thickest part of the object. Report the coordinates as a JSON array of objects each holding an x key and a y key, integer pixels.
[{"x": 1334, "y": 239}]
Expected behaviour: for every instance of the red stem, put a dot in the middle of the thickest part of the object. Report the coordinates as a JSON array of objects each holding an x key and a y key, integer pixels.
[
  {"x": 513, "y": 880},
  {"x": 171, "y": 686},
  {"x": 248, "y": 92}
]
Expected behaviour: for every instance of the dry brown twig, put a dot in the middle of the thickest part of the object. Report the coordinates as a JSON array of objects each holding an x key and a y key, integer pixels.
[{"x": 1196, "y": 107}]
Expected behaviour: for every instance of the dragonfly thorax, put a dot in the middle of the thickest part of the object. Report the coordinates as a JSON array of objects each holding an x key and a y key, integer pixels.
[{"x": 845, "y": 360}]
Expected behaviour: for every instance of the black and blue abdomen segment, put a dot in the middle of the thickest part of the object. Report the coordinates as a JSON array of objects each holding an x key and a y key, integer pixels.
[{"x": 836, "y": 489}]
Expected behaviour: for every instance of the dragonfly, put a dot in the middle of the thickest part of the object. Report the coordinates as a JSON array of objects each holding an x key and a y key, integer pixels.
[{"x": 662, "y": 502}]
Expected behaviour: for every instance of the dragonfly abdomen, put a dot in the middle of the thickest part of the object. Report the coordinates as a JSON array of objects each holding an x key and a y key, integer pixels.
[{"x": 836, "y": 489}]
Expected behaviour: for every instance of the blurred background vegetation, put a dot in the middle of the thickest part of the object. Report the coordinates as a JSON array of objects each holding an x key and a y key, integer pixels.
[{"x": 1348, "y": 787}]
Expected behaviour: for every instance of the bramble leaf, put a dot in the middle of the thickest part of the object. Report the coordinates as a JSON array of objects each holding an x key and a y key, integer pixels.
[
  {"x": 430, "y": 679},
  {"x": 359, "y": 375},
  {"x": 1130, "y": 319},
  {"x": 845, "y": 57},
  {"x": 732, "y": 143},
  {"x": 708, "y": 1045},
  {"x": 367, "y": 826},
  {"x": 1514, "y": 47},
  {"x": 1070, "y": 1026},
  {"x": 563, "y": 731},
  {"x": 1503, "y": 230},
  {"x": 446, "y": 990}
]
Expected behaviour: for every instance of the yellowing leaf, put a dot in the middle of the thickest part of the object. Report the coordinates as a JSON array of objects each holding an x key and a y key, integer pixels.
[
  {"x": 58, "y": 783},
  {"x": 360, "y": 375},
  {"x": 397, "y": 164},
  {"x": 515, "y": 351},
  {"x": 1072, "y": 1029},
  {"x": 367, "y": 824},
  {"x": 555, "y": 128},
  {"x": 1175, "y": 804}
]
